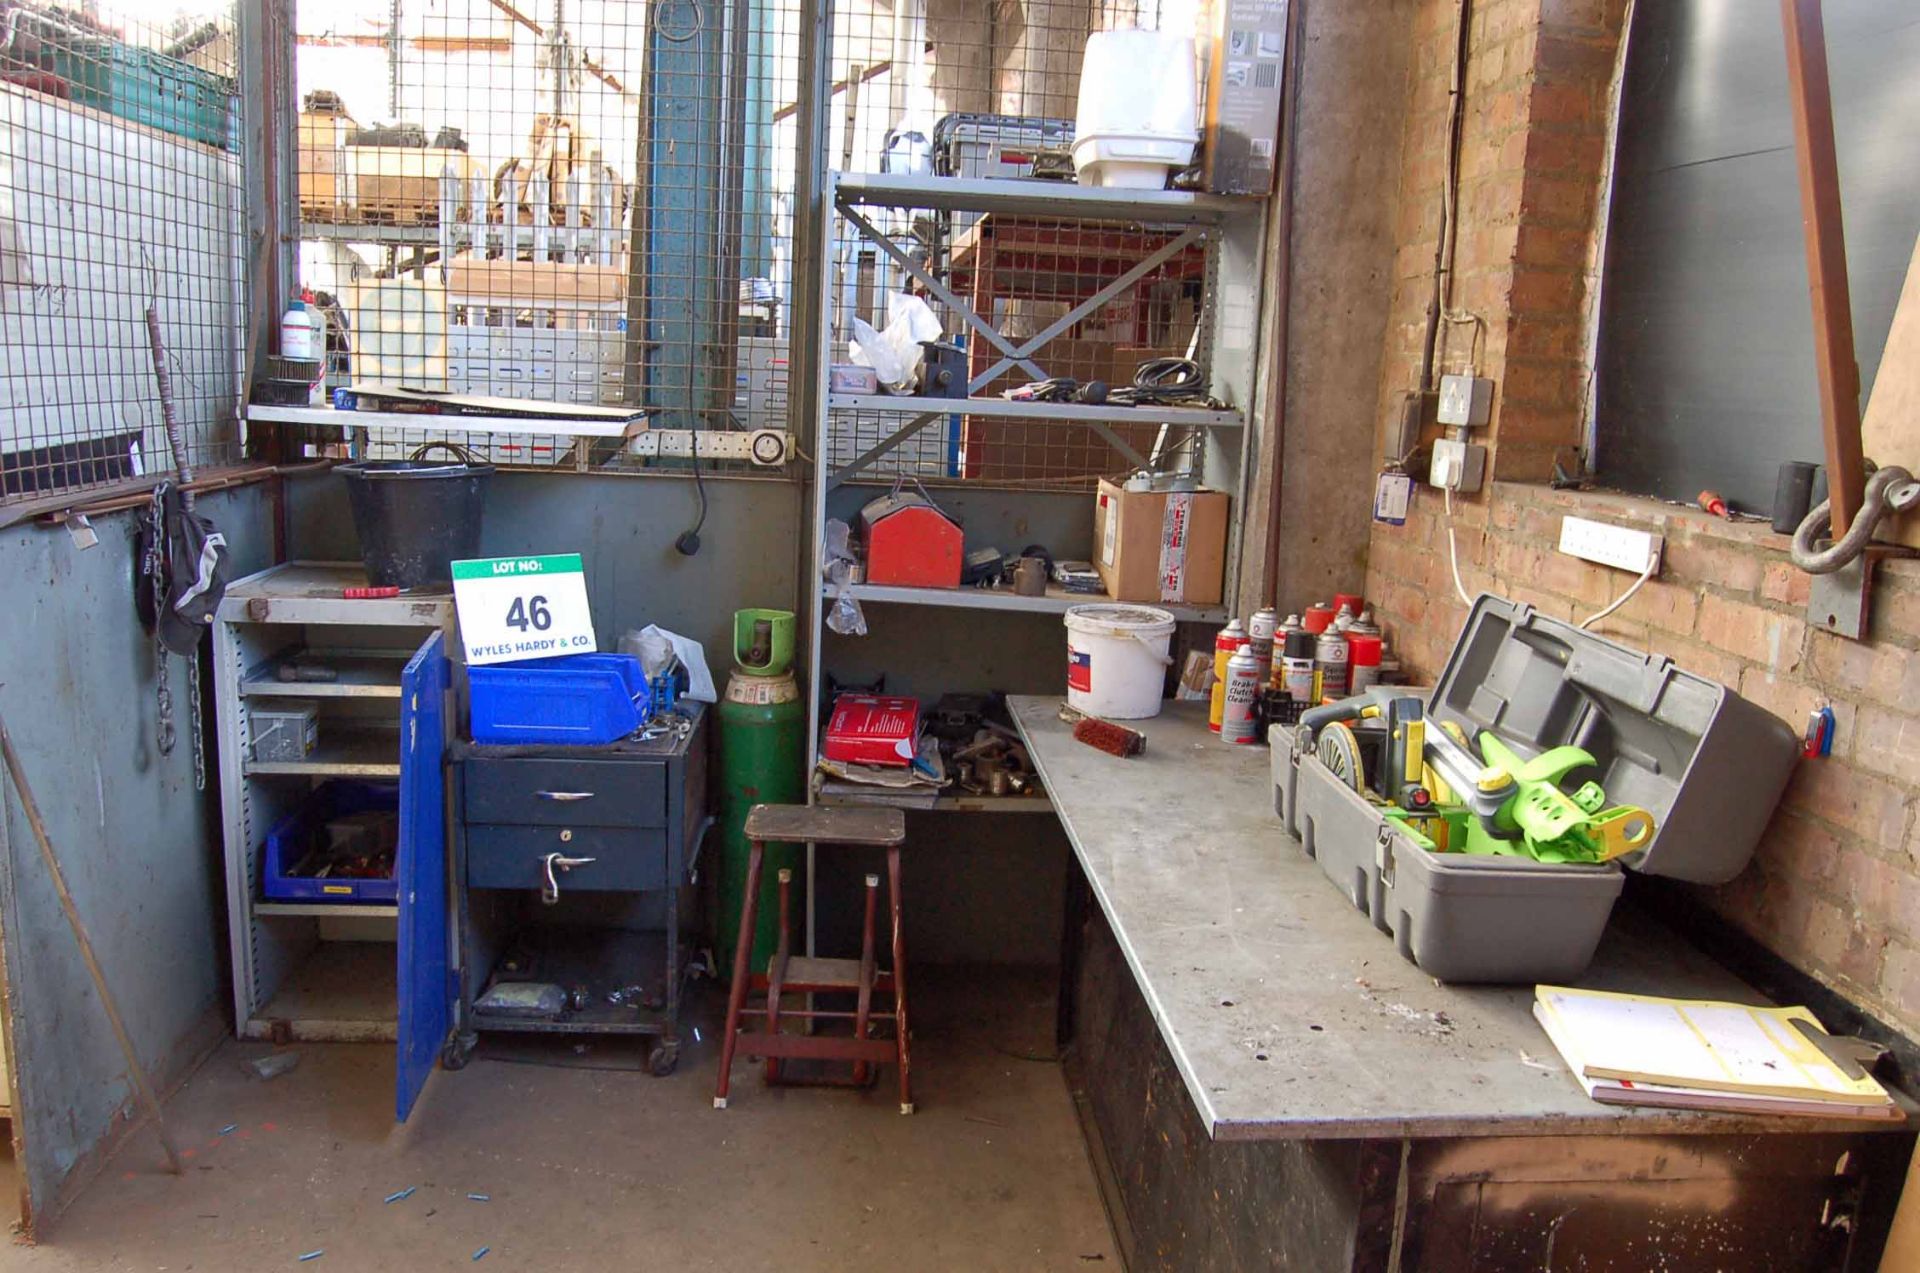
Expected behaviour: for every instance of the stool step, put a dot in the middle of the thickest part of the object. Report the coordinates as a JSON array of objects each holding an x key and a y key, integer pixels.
[
  {"x": 823, "y": 974},
  {"x": 795, "y": 823}
]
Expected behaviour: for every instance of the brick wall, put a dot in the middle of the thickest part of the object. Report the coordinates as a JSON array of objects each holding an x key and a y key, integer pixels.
[{"x": 1835, "y": 886}]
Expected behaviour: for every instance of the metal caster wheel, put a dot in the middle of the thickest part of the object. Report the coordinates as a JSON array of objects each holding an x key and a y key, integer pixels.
[
  {"x": 456, "y": 1052},
  {"x": 663, "y": 1060}
]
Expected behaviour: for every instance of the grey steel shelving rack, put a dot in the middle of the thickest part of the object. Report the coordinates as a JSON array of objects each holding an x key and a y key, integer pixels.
[
  {"x": 313, "y": 971},
  {"x": 1233, "y": 231}
]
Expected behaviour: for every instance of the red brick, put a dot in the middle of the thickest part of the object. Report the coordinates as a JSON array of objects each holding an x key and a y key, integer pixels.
[
  {"x": 1705, "y": 561},
  {"x": 1800, "y": 847},
  {"x": 1840, "y": 946},
  {"x": 1845, "y": 797},
  {"x": 1769, "y": 638},
  {"x": 1791, "y": 700},
  {"x": 1714, "y": 665},
  {"x": 1663, "y": 605},
  {"x": 1544, "y": 291},
  {"x": 1781, "y": 581},
  {"x": 1900, "y": 984},
  {"x": 1888, "y": 743}
]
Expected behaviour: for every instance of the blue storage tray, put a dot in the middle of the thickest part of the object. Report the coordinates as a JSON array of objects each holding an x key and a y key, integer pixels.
[
  {"x": 287, "y": 844},
  {"x": 149, "y": 88},
  {"x": 578, "y": 700}
]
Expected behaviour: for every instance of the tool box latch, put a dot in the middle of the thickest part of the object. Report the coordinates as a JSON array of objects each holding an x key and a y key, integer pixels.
[{"x": 1383, "y": 852}]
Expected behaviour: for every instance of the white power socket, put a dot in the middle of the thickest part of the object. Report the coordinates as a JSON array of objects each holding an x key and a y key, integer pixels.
[
  {"x": 765, "y": 447},
  {"x": 1457, "y": 466},
  {"x": 1621, "y": 547},
  {"x": 1465, "y": 401}
]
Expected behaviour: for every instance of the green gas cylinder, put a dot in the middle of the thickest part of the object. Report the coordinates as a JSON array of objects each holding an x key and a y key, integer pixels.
[{"x": 762, "y": 761}]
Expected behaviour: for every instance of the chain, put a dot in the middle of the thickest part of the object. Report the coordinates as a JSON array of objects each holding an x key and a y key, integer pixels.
[
  {"x": 163, "y": 723},
  {"x": 199, "y": 729}
]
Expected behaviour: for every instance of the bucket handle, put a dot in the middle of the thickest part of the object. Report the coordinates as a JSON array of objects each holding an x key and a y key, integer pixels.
[
  {"x": 460, "y": 452},
  {"x": 1166, "y": 660}
]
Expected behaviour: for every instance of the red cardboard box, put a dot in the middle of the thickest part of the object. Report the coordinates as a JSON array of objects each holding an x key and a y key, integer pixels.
[{"x": 867, "y": 729}]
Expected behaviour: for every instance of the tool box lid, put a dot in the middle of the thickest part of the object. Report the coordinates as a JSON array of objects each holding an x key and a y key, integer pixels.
[
  {"x": 899, "y": 500},
  {"x": 1709, "y": 765}
]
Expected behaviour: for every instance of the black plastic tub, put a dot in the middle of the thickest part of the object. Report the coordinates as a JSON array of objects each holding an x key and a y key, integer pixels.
[{"x": 415, "y": 517}]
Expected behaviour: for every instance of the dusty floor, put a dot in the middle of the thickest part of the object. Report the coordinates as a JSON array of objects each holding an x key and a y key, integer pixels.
[{"x": 603, "y": 1168}]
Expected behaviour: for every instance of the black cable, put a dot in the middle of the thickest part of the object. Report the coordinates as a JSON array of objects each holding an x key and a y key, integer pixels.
[
  {"x": 1165, "y": 382},
  {"x": 689, "y": 542}
]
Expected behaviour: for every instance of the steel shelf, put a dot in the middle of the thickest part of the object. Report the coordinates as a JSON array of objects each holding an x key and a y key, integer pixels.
[
  {"x": 1065, "y": 412},
  {"x": 552, "y": 426},
  {"x": 343, "y": 752},
  {"x": 1039, "y": 198},
  {"x": 836, "y": 793},
  {"x": 359, "y": 676},
  {"x": 329, "y": 910},
  {"x": 1054, "y": 601}
]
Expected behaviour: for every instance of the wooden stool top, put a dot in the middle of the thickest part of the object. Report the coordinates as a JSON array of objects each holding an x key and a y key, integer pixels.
[{"x": 823, "y": 825}]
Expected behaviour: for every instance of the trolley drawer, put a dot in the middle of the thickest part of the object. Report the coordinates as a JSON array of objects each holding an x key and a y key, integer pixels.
[
  {"x": 566, "y": 793},
  {"x": 624, "y": 861}
]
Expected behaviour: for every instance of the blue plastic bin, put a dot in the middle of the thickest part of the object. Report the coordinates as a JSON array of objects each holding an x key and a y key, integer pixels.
[
  {"x": 287, "y": 844},
  {"x": 577, "y": 700}
]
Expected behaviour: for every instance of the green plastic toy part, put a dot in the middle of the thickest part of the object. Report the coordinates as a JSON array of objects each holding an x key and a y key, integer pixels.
[{"x": 1552, "y": 825}]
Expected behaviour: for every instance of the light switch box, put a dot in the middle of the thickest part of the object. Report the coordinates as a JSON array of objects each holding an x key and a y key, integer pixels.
[{"x": 1465, "y": 401}]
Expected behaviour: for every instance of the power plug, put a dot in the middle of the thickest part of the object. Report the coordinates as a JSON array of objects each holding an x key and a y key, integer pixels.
[{"x": 1457, "y": 466}]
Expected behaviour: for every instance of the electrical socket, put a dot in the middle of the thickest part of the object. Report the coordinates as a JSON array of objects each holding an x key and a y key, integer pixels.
[
  {"x": 1457, "y": 466},
  {"x": 1465, "y": 401},
  {"x": 765, "y": 447},
  {"x": 1621, "y": 547}
]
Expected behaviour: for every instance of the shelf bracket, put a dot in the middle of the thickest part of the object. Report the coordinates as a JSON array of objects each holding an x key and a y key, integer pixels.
[{"x": 1159, "y": 257}]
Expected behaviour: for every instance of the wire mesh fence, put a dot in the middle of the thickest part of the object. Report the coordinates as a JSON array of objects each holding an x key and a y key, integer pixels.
[
  {"x": 590, "y": 203},
  {"x": 123, "y": 199}
]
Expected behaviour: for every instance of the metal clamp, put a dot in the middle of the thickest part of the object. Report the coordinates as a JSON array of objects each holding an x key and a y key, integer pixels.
[
  {"x": 1890, "y": 490},
  {"x": 550, "y": 891}
]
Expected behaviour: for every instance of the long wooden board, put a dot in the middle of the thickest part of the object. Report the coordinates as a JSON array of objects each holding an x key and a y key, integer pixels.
[{"x": 1890, "y": 430}]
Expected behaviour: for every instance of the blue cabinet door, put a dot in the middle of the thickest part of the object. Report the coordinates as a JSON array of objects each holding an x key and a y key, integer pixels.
[{"x": 420, "y": 866}]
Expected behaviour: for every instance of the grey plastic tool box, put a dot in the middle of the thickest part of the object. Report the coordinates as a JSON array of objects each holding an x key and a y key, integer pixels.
[{"x": 1708, "y": 764}]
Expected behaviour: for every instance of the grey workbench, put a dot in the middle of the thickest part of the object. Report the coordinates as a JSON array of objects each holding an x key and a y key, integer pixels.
[{"x": 1286, "y": 1014}]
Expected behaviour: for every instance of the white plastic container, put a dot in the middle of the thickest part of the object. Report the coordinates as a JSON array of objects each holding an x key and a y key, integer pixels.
[
  {"x": 1117, "y": 660},
  {"x": 1136, "y": 119},
  {"x": 299, "y": 339}
]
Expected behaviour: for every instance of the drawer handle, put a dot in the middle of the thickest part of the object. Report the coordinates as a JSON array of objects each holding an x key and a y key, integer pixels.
[
  {"x": 564, "y": 797},
  {"x": 551, "y": 862}
]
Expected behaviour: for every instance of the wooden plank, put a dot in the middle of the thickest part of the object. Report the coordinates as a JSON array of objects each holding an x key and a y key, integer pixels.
[
  {"x": 1890, "y": 433},
  {"x": 1826, "y": 255}
]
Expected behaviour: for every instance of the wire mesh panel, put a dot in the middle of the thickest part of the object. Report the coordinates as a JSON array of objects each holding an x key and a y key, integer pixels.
[
  {"x": 121, "y": 241},
  {"x": 569, "y": 201}
]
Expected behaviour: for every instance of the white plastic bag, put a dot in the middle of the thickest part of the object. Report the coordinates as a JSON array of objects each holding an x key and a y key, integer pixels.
[
  {"x": 836, "y": 567},
  {"x": 895, "y": 354},
  {"x": 658, "y": 650}
]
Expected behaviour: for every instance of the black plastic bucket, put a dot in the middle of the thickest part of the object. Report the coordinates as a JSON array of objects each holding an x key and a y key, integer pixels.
[{"x": 414, "y": 517}]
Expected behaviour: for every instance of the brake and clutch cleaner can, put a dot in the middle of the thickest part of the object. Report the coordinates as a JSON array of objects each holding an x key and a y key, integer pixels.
[
  {"x": 1229, "y": 641},
  {"x": 1242, "y": 688}
]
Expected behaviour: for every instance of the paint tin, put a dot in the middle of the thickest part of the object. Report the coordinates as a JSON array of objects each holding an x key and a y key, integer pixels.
[
  {"x": 1225, "y": 646},
  {"x": 1332, "y": 659},
  {"x": 1296, "y": 667},
  {"x": 1242, "y": 688},
  {"x": 1260, "y": 632},
  {"x": 1353, "y": 602}
]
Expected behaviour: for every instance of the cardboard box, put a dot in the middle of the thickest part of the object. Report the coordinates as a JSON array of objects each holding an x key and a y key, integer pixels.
[
  {"x": 318, "y": 160},
  {"x": 1153, "y": 546},
  {"x": 400, "y": 185},
  {"x": 869, "y": 729},
  {"x": 1240, "y": 144}
]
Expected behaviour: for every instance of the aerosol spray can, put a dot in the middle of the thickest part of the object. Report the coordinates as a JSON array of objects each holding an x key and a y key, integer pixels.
[
  {"x": 1297, "y": 673},
  {"x": 1225, "y": 645},
  {"x": 1260, "y": 632},
  {"x": 1318, "y": 617},
  {"x": 1363, "y": 660},
  {"x": 1242, "y": 688},
  {"x": 1288, "y": 626},
  {"x": 1332, "y": 657},
  {"x": 1364, "y": 624}
]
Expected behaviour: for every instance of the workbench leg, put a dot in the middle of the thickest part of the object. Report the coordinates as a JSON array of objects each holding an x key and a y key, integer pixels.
[
  {"x": 1072, "y": 940},
  {"x": 742, "y": 957},
  {"x": 899, "y": 981}
]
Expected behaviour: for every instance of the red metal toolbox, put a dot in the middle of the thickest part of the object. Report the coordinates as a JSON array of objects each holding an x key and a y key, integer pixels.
[{"x": 911, "y": 541}]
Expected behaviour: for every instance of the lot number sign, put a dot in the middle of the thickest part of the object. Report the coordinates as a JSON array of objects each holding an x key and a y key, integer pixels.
[{"x": 522, "y": 608}]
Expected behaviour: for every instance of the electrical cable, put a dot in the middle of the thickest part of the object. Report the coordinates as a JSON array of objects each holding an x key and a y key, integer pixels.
[
  {"x": 1165, "y": 382},
  {"x": 1653, "y": 561},
  {"x": 1453, "y": 552},
  {"x": 689, "y": 542}
]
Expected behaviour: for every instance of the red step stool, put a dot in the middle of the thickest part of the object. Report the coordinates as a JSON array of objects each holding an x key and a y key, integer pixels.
[{"x": 789, "y": 973}]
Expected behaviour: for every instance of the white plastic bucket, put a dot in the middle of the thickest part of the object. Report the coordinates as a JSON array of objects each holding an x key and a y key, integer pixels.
[
  {"x": 1136, "y": 118},
  {"x": 1117, "y": 660}
]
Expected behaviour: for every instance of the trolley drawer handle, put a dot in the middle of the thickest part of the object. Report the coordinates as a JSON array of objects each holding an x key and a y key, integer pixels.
[{"x": 564, "y": 796}]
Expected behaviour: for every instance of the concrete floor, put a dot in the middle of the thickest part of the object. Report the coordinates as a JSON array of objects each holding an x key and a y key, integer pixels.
[{"x": 604, "y": 1167}]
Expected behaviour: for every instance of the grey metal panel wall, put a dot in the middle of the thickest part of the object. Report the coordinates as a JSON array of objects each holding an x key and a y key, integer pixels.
[
  {"x": 1705, "y": 363},
  {"x": 137, "y": 842},
  {"x": 625, "y": 528}
]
